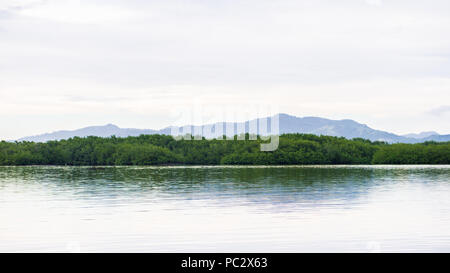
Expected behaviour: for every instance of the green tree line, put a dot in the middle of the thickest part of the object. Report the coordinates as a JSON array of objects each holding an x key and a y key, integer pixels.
[{"x": 165, "y": 150}]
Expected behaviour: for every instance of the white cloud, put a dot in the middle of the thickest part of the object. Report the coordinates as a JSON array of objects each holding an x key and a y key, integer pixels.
[
  {"x": 374, "y": 2},
  {"x": 81, "y": 12},
  {"x": 18, "y": 4},
  {"x": 440, "y": 111}
]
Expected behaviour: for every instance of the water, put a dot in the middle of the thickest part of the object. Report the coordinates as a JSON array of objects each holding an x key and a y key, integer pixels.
[{"x": 225, "y": 209}]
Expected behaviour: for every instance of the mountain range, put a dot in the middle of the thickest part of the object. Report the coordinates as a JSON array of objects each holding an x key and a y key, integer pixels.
[{"x": 287, "y": 124}]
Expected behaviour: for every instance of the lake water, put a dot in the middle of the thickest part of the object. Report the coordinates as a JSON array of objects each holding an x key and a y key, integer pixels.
[{"x": 225, "y": 209}]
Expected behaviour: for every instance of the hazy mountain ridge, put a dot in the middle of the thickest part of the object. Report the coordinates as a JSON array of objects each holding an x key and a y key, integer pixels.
[
  {"x": 100, "y": 131},
  {"x": 421, "y": 135},
  {"x": 288, "y": 124}
]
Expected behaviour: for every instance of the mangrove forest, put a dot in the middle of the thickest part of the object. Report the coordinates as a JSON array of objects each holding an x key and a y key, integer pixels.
[{"x": 294, "y": 149}]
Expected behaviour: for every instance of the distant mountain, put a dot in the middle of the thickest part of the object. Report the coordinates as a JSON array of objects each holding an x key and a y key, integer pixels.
[
  {"x": 437, "y": 138},
  {"x": 421, "y": 135},
  {"x": 342, "y": 128},
  {"x": 287, "y": 124},
  {"x": 100, "y": 131}
]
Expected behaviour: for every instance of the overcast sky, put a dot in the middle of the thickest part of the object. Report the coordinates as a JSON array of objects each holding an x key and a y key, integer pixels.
[{"x": 67, "y": 64}]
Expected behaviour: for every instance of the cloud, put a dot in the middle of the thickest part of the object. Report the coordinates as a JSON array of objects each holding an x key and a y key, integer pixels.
[
  {"x": 79, "y": 12},
  {"x": 88, "y": 99},
  {"x": 440, "y": 111},
  {"x": 374, "y": 2},
  {"x": 19, "y": 4},
  {"x": 4, "y": 14}
]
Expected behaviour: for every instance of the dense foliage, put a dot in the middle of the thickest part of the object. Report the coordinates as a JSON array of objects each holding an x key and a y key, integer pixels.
[{"x": 165, "y": 150}]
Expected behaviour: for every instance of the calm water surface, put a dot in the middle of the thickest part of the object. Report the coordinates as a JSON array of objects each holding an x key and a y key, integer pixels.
[{"x": 225, "y": 209}]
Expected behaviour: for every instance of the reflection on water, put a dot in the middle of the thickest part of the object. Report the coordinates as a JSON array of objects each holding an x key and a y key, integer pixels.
[{"x": 225, "y": 209}]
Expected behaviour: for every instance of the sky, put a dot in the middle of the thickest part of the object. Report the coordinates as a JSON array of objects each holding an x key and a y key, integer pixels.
[{"x": 67, "y": 64}]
